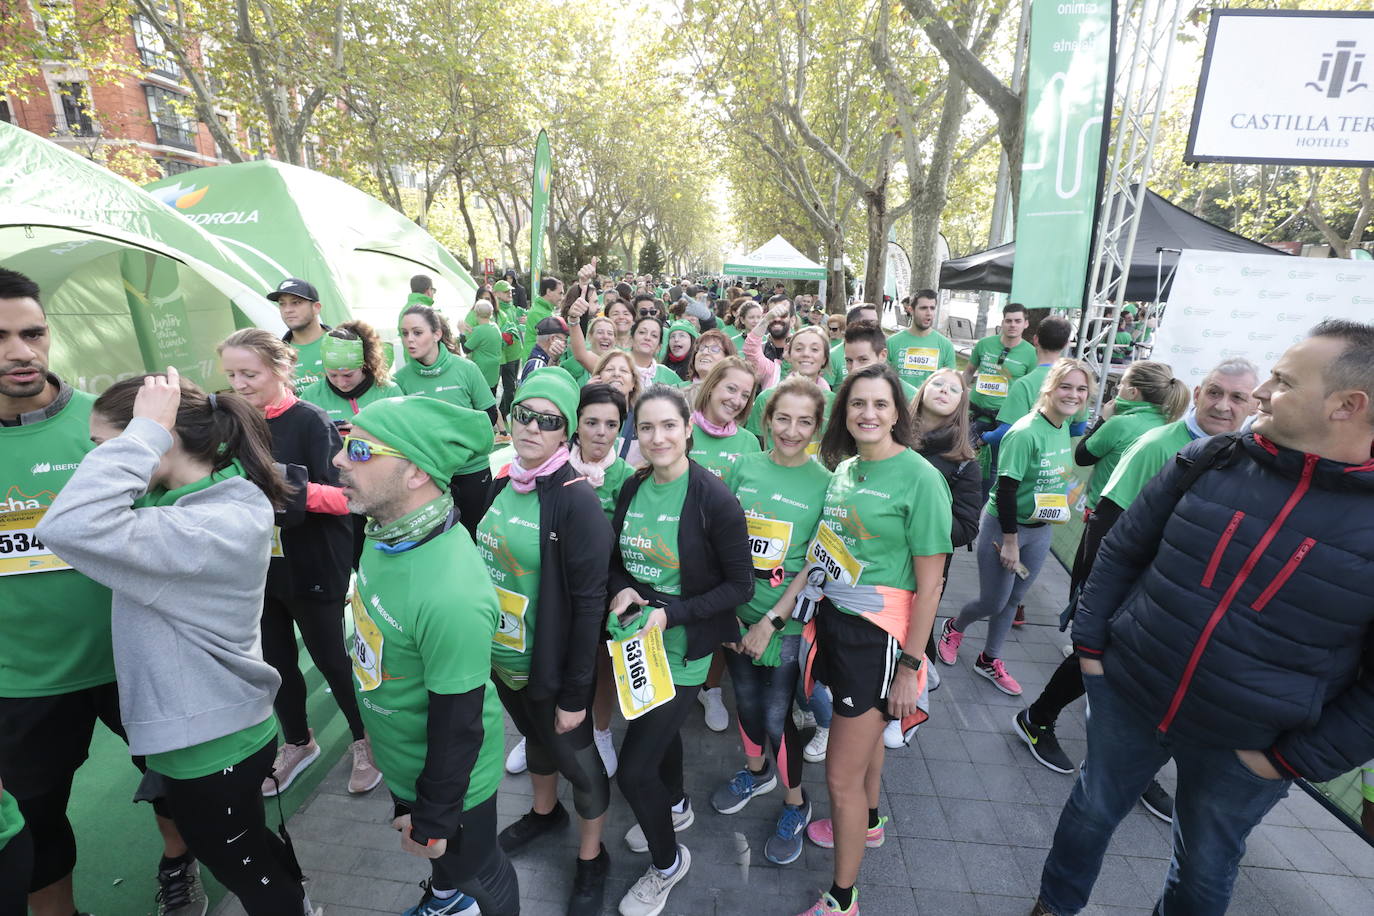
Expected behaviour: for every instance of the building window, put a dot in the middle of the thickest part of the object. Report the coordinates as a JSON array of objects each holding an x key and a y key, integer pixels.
[
  {"x": 174, "y": 128},
  {"x": 153, "y": 50},
  {"x": 5, "y": 114},
  {"x": 172, "y": 167},
  {"x": 76, "y": 113}
]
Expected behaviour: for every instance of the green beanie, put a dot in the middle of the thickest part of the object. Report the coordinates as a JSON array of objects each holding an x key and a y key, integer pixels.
[
  {"x": 437, "y": 437},
  {"x": 685, "y": 326},
  {"x": 554, "y": 383}
]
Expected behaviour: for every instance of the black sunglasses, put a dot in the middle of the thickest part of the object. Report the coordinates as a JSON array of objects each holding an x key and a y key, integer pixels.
[
  {"x": 548, "y": 422},
  {"x": 648, "y": 313}
]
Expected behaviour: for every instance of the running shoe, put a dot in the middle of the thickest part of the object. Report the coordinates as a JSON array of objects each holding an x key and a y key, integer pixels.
[
  {"x": 605, "y": 746},
  {"x": 649, "y": 895},
  {"x": 784, "y": 845},
  {"x": 803, "y": 718},
  {"x": 717, "y": 716},
  {"x": 815, "y": 749},
  {"x": 515, "y": 760},
  {"x": 1043, "y": 743},
  {"x": 947, "y": 648},
  {"x": 290, "y": 762},
  {"x": 589, "y": 885},
  {"x": 1158, "y": 802},
  {"x": 364, "y": 776},
  {"x": 995, "y": 670},
  {"x": 742, "y": 787},
  {"x": 822, "y": 833},
  {"x": 892, "y": 734},
  {"x": 1020, "y": 619},
  {"x": 634, "y": 837},
  {"x": 179, "y": 892},
  {"x": 460, "y": 904},
  {"x": 531, "y": 827},
  {"x": 828, "y": 906}
]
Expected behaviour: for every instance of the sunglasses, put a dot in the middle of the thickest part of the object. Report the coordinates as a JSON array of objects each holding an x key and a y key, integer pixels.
[
  {"x": 365, "y": 450},
  {"x": 648, "y": 313},
  {"x": 548, "y": 422}
]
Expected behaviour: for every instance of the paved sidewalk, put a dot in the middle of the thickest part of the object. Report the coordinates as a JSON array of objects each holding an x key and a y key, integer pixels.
[{"x": 972, "y": 818}]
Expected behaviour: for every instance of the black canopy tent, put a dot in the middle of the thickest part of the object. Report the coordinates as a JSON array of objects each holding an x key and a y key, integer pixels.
[{"x": 1162, "y": 226}]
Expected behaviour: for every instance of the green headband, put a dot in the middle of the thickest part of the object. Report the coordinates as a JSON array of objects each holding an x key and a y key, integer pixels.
[{"x": 341, "y": 354}]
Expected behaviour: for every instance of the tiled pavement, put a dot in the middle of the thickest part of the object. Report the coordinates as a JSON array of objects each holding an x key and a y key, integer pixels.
[{"x": 972, "y": 818}]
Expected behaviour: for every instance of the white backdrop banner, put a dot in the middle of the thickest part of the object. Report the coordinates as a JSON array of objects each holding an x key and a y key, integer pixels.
[
  {"x": 1286, "y": 86},
  {"x": 1254, "y": 305}
]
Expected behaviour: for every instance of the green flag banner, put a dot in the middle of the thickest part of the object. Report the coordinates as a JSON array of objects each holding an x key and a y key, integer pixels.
[
  {"x": 1071, "y": 48},
  {"x": 539, "y": 207}
]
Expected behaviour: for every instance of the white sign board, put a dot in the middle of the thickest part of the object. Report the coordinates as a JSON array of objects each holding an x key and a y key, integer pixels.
[
  {"x": 1254, "y": 305},
  {"x": 1286, "y": 86}
]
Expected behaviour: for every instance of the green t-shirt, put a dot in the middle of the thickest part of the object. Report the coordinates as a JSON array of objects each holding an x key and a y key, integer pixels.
[
  {"x": 916, "y": 358},
  {"x": 1143, "y": 460},
  {"x": 452, "y": 379},
  {"x": 996, "y": 371},
  {"x": 615, "y": 478},
  {"x": 484, "y": 348},
  {"x": 736, "y": 335},
  {"x": 11, "y": 819},
  {"x": 717, "y": 453},
  {"x": 54, "y": 622},
  {"x": 1129, "y": 421},
  {"x": 423, "y": 623},
  {"x": 1025, "y": 391},
  {"x": 659, "y": 375},
  {"x": 755, "y": 423},
  {"x": 579, "y": 373},
  {"x": 345, "y": 408},
  {"x": 508, "y": 540},
  {"x": 309, "y": 363},
  {"x": 834, "y": 372},
  {"x": 648, "y": 549},
  {"x": 512, "y": 324},
  {"x": 540, "y": 308},
  {"x": 782, "y": 506},
  {"x": 216, "y": 754},
  {"x": 1040, "y": 456},
  {"x": 884, "y": 513}
]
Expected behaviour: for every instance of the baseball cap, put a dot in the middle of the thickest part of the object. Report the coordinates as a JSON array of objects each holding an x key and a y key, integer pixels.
[
  {"x": 551, "y": 325},
  {"x": 295, "y": 287},
  {"x": 501, "y": 286}
]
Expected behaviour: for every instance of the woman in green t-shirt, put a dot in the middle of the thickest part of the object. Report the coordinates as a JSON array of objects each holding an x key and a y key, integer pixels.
[
  {"x": 710, "y": 348},
  {"x": 1031, "y": 496},
  {"x": 681, "y": 565},
  {"x": 782, "y": 492},
  {"x": 875, "y": 567},
  {"x": 618, "y": 370},
  {"x": 726, "y": 397},
  {"x": 645, "y": 341}
]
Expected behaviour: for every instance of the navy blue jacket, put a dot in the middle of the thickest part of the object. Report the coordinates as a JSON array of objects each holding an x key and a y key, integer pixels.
[{"x": 1241, "y": 615}]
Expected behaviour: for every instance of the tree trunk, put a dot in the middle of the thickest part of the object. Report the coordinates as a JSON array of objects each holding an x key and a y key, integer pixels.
[
  {"x": 836, "y": 300},
  {"x": 467, "y": 222},
  {"x": 875, "y": 207}
]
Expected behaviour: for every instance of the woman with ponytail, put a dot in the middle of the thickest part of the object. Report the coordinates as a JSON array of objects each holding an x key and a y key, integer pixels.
[{"x": 173, "y": 511}]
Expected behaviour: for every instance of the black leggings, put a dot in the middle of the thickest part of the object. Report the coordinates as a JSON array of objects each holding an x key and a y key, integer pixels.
[
  {"x": 763, "y": 701},
  {"x": 571, "y": 754},
  {"x": 1065, "y": 686},
  {"x": 650, "y": 774},
  {"x": 472, "y": 495},
  {"x": 475, "y": 864},
  {"x": 16, "y": 869},
  {"x": 223, "y": 821},
  {"x": 321, "y": 626},
  {"x": 509, "y": 375}
]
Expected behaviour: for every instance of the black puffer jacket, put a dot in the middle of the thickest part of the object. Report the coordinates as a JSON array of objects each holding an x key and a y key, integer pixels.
[
  {"x": 965, "y": 479},
  {"x": 1241, "y": 615}
]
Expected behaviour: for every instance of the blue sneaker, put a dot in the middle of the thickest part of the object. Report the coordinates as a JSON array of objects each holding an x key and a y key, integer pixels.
[
  {"x": 784, "y": 846},
  {"x": 460, "y": 904},
  {"x": 743, "y": 786}
]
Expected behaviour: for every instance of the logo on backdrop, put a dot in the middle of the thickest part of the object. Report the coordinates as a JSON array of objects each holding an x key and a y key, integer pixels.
[
  {"x": 184, "y": 197},
  {"x": 1340, "y": 71}
]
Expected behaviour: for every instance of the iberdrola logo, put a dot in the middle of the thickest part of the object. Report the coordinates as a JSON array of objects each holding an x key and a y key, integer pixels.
[
  {"x": 542, "y": 176},
  {"x": 183, "y": 197}
]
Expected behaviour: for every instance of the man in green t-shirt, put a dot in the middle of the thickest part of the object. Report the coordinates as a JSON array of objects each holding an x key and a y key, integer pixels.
[
  {"x": 920, "y": 349},
  {"x": 1051, "y": 340},
  {"x": 865, "y": 345},
  {"x": 510, "y": 320},
  {"x": 424, "y": 614},
  {"x": 56, "y": 658},
  {"x": 547, "y": 303},
  {"x": 299, "y": 305},
  {"x": 421, "y": 291},
  {"x": 994, "y": 364}
]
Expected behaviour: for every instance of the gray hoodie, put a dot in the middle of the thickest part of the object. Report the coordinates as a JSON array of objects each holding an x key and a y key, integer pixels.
[{"x": 188, "y": 585}]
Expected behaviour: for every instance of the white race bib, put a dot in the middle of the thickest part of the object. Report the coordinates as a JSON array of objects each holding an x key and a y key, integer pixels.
[
  {"x": 993, "y": 386},
  {"x": 20, "y": 549},
  {"x": 920, "y": 359},
  {"x": 1051, "y": 507},
  {"x": 829, "y": 551},
  {"x": 367, "y": 647},
  {"x": 510, "y": 631},
  {"x": 769, "y": 540}
]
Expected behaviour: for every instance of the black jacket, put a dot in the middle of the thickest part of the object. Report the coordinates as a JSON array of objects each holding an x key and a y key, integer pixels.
[
  {"x": 965, "y": 479},
  {"x": 574, "y": 541},
  {"x": 1241, "y": 613},
  {"x": 716, "y": 566},
  {"x": 319, "y": 548}
]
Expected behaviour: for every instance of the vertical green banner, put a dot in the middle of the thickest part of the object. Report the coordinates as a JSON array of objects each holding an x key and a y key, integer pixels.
[
  {"x": 539, "y": 207},
  {"x": 153, "y": 289},
  {"x": 1067, "y": 85}
]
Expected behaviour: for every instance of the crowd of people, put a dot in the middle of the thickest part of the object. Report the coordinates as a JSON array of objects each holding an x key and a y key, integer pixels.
[{"x": 743, "y": 492}]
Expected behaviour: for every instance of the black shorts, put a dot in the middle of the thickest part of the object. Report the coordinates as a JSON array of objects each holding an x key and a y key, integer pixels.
[
  {"x": 855, "y": 659},
  {"x": 44, "y": 740}
]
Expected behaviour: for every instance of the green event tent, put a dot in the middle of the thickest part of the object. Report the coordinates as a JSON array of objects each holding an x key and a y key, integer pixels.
[
  {"x": 129, "y": 286},
  {"x": 287, "y": 221}
]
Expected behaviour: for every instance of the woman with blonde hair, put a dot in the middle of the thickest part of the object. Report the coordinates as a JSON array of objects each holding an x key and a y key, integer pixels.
[
  {"x": 710, "y": 348},
  {"x": 725, "y": 398},
  {"x": 617, "y": 369}
]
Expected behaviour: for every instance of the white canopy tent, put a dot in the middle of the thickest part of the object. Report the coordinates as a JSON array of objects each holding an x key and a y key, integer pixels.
[{"x": 776, "y": 259}]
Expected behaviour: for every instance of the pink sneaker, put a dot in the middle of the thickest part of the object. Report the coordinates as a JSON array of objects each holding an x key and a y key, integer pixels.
[
  {"x": 995, "y": 670},
  {"x": 948, "y": 646},
  {"x": 822, "y": 833},
  {"x": 827, "y": 906}
]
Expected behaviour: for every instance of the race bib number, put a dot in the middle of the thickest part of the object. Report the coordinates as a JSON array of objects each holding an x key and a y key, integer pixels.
[
  {"x": 830, "y": 552},
  {"x": 769, "y": 540},
  {"x": 993, "y": 386},
  {"x": 20, "y": 549},
  {"x": 510, "y": 631},
  {"x": 1051, "y": 507},
  {"x": 643, "y": 680},
  {"x": 367, "y": 647},
  {"x": 276, "y": 543},
  {"x": 920, "y": 359}
]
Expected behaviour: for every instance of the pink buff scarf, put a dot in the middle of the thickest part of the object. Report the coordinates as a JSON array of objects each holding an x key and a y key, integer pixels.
[
  {"x": 523, "y": 480},
  {"x": 595, "y": 473},
  {"x": 711, "y": 429}
]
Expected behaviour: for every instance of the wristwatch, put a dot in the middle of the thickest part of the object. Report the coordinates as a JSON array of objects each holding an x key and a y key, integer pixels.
[
  {"x": 911, "y": 661},
  {"x": 777, "y": 622}
]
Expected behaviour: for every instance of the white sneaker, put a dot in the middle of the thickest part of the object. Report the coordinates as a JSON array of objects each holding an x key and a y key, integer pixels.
[
  {"x": 364, "y": 776},
  {"x": 634, "y": 837},
  {"x": 717, "y": 717},
  {"x": 892, "y": 735},
  {"x": 803, "y": 718},
  {"x": 290, "y": 761},
  {"x": 605, "y": 746},
  {"x": 815, "y": 749},
  {"x": 515, "y": 760},
  {"x": 649, "y": 895},
  {"x": 932, "y": 676}
]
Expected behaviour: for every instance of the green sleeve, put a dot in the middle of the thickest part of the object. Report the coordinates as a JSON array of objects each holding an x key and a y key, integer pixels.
[
  {"x": 1019, "y": 402},
  {"x": 1016, "y": 454},
  {"x": 948, "y": 358},
  {"x": 931, "y": 518},
  {"x": 476, "y": 385},
  {"x": 1107, "y": 438}
]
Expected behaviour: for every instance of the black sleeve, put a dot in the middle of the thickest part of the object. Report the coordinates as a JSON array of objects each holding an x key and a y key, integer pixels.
[
  {"x": 1104, "y": 517},
  {"x": 585, "y": 539},
  {"x": 454, "y": 736},
  {"x": 966, "y": 491},
  {"x": 492, "y": 415},
  {"x": 727, "y": 536},
  {"x": 293, "y": 513},
  {"x": 324, "y": 445},
  {"x": 1006, "y": 503},
  {"x": 1082, "y": 456}
]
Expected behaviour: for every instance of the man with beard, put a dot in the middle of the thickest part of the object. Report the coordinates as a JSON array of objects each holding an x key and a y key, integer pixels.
[
  {"x": 299, "y": 304},
  {"x": 920, "y": 350}
]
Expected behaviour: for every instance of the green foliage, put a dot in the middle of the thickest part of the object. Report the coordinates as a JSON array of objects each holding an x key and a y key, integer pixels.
[{"x": 650, "y": 259}]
